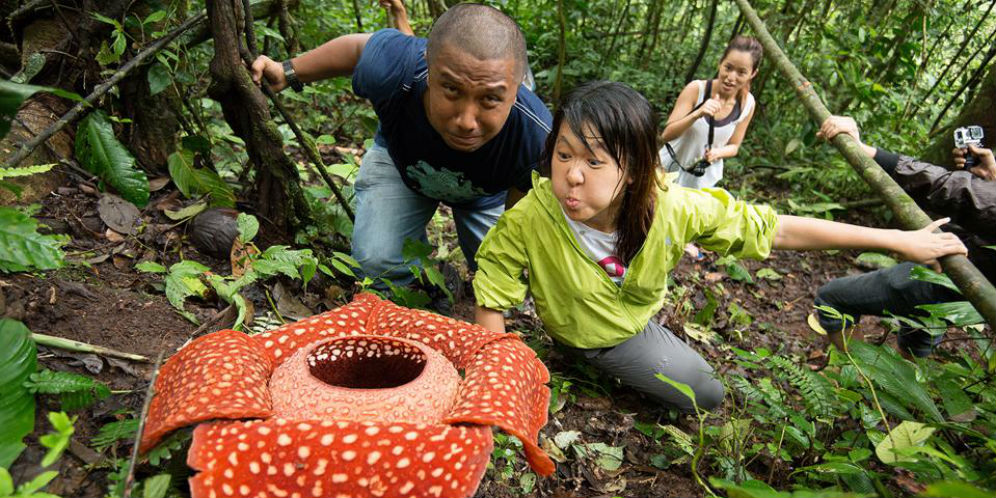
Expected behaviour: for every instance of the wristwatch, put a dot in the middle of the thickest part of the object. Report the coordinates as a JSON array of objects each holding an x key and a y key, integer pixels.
[{"x": 291, "y": 77}]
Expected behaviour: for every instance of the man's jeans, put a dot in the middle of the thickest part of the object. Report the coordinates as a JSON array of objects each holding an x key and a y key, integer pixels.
[
  {"x": 874, "y": 293},
  {"x": 388, "y": 212}
]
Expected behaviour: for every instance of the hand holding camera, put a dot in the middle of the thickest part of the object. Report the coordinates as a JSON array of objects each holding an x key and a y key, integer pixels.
[{"x": 984, "y": 163}]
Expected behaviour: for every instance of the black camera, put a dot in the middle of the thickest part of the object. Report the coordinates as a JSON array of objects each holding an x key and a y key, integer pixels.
[
  {"x": 698, "y": 169},
  {"x": 969, "y": 135}
]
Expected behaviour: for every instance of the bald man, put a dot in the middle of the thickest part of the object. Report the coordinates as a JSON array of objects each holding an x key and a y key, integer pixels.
[{"x": 456, "y": 126}]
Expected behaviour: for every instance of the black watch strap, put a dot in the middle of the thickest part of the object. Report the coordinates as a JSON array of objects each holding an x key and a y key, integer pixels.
[{"x": 291, "y": 77}]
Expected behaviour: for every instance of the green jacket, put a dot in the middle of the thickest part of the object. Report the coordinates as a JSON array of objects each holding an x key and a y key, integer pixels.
[{"x": 531, "y": 248}]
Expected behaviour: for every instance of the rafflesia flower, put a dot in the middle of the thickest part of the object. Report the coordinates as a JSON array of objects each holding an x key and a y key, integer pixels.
[{"x": 361, "y": 401}]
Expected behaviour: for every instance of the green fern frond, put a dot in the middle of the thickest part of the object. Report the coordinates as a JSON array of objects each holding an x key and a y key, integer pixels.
[
  {"x": 75, "y": 391},
  {"x": 25, "y": 170},
  {"x": 816, "y": 390},
  {"x": 113, "y": 432}
]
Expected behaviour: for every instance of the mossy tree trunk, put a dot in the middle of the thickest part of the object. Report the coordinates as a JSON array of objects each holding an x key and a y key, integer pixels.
[{"x": 279, "y": 197}]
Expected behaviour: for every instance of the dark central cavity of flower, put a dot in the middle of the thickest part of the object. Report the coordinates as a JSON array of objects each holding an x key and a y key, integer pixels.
[
  {"x": 366, "y": 364},
  {"x": 365, "y": 378}
]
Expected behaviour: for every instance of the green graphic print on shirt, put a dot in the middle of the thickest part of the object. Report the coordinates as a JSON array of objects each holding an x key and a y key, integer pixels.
[{"x": 443, "y": 184}]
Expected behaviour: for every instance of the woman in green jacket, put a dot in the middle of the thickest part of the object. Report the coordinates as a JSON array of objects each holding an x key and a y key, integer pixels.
[{"x": 595, "y": 241}]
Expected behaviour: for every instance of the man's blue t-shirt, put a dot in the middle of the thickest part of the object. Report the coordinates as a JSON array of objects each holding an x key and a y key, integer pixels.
[{"x": 391, "y": 73}]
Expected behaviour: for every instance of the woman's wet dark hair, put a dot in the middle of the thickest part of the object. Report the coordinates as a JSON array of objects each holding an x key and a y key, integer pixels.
[{"x": 626, "y": 125}]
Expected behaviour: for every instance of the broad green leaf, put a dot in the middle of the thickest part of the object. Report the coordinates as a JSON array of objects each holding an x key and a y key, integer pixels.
[
  {"x": 159, "y": 78},
  {"x": 22, "y": 248},
  {"x": 6, "y": 483},
  {"x": 927, "y": 275},
  {"x": 414, "y": 250},
  {"x": 150, "y": 267},
  {"x": 248, "y": 227},
  {"x": 768, "y": 274},
  {"x": 18, "y": 360},
  {"x": 832, "y": 468},
  {"x": 187, "y": 212},
  {"x": 959, "y": 313},
  {"x": 40, "y": 481},
  {"x": 183, "y": 281},
  {"x": 948, "y": 489},
  {"x": 193, "y": 181},
  {"x": 57, "y": 441},
  {"x": 156, "y": 16},
  {"x": 564, "y": 439},
  {"x": 906, "y": 435},
  {"x": 156, "y": 486},
  {"x": 876, "y": 260},
  {"x": 680, "y": 437},
  {"x": 738, "y": 272},
  {"x": 13, "y": 94},
  {"x": 896, "y": 376},
  {"x": 792, "y": 146},
  {"x": 436, "y": 278},
  {"x": 682, "y": 388},
  {"x": 25, "y": 170},
  {"x": 607, "y": 457},
  {"x": 953, "y": 397},
  {"x": 100, "y": 152}
]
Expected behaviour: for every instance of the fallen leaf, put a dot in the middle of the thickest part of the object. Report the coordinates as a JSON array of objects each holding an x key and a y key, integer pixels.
[
  {"x": 118, "y": 213},
  {"x": 288, "y": 305},
  {"x": 157, "y": 184},
  {"x": 241, "y": 257},
  {"x": 113, "y": 236}
]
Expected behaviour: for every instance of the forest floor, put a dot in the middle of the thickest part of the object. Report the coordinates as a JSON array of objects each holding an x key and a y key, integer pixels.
[{"x": 108, "y": 302}]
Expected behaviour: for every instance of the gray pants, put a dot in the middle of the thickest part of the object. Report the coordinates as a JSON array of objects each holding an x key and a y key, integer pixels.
[{"x": 656, "y": 350}]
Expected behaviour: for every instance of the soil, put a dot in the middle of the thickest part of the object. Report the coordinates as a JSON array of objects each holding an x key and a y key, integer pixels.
[{"x": 107, "y": 302}]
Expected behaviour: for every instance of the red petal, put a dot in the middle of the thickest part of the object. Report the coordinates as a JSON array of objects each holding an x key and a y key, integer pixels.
[
  {"x": 350, "y": 319},
  {"x": 456, "y": 340},
  {"x": 505, "y": 386},
  {"x": 278, "y": 458},
  {"x": 220, "y": 375}
]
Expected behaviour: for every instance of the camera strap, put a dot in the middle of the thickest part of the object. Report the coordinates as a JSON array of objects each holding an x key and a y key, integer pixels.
[{"x": 712, "y": 123}]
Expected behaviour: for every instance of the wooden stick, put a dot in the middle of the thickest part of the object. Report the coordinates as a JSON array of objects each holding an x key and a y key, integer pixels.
[
  {"x": 82, "y": 347},
  {"x": 972, "y": 283},
  {"x": 149, "y": 393}
]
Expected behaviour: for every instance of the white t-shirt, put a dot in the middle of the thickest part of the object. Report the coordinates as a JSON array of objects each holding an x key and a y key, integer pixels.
[
  {"x": 600, "y": 247},
  {"x": 691, "y": 145}
]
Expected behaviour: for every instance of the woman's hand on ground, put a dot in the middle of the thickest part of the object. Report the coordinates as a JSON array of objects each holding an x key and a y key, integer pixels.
[
  {"x": 925, "y": 246},
  {"x": 273, "y": 70}
]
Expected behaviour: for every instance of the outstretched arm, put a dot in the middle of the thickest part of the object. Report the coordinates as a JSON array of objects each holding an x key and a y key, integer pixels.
[
  {"x": 396, "y": 8},
  {"x": 490, "y": 319},
  {"x": 337, "y": 57},
  {"x": 922, "y": 246}
]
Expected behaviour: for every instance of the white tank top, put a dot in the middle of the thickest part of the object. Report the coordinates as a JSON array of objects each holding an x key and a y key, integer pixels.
[{"x": 690, "y": 146}]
